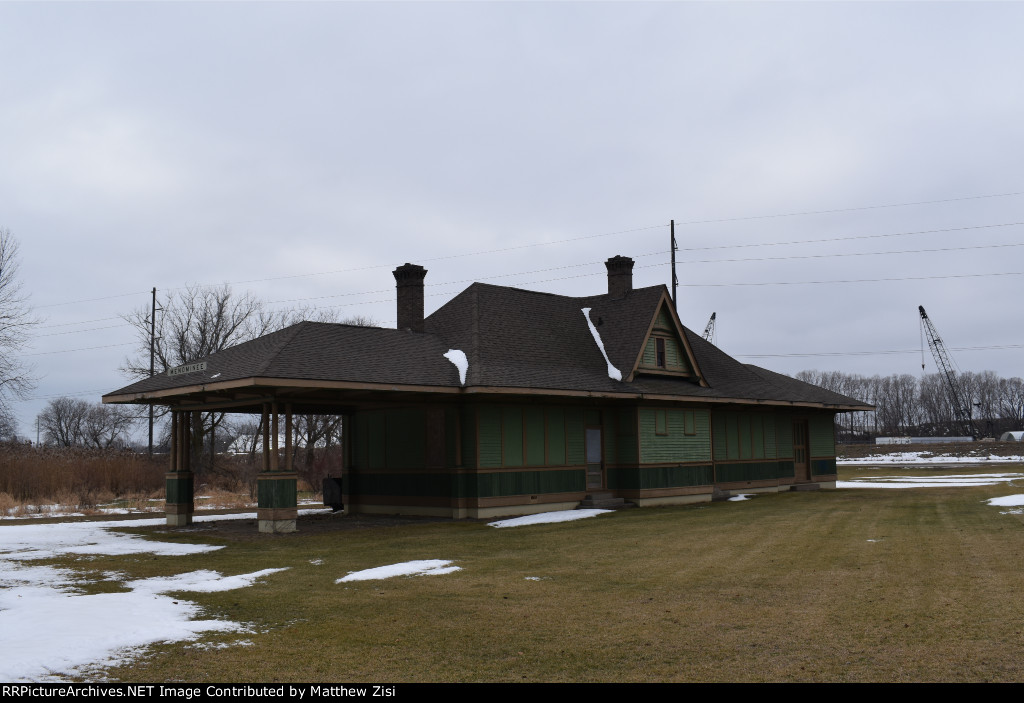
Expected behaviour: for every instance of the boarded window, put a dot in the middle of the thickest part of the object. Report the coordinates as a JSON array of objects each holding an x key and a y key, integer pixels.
[{"x": 660, "y": 422}]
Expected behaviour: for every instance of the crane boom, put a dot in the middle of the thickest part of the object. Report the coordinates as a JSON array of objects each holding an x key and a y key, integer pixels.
[
  {"x": 961, "y": 408},
  {"x": 709, "y": 331}
]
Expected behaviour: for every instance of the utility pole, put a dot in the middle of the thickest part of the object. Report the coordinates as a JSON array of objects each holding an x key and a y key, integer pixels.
[
  {"x": 675, "y": 279},
  {"x": 152, "y": 364}
]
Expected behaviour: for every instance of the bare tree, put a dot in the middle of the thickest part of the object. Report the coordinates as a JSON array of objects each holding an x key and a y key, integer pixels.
[
  {"x": 107, "y": 426},
  {"x": 16, "y": 320},
  {"x": 62, "y": 421}
]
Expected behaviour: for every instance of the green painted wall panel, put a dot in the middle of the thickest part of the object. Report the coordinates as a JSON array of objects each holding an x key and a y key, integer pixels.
[
  {"x": 276, "y": 493},
  {"x": 180, "y": 490},
  {"x": 489, "y": 433},
  {"x": 784, "y": 435},
  {"x": 574, "y": 436},
  {"x": 719, "y": 434},
  {"x": 510, "y": 483},
  {"x": 676, "y": 445},
  {"x": 823, "y": 467},
  {"x": 556, "y": 436},
  {"x": 627, "y": 450},
  {"x": 406, "y": 437},
  {"x": 770, "y": 451},
  {"x": 751, "y": 471},
  {"x": 650, "y": 358},
  {"x": 664, "y": 320},
  {"x": 744, "y": 436},
  {"x": 512, "y": 436},
  {"x": 533, "y": 420},
  {"x": 675, "y": 356},
  {"x": 821, "y": 431},
  {"x": 757, "y": 435},
  {"x": 660, "y": 477},
  {"x": 376, "y": 438},
  {"x": 468, "y": 416}
]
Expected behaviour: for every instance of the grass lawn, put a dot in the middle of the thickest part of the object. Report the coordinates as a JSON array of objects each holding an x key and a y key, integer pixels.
[{"x": 846, "y": 585}]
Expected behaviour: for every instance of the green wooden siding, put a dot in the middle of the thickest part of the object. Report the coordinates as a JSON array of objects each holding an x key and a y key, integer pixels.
[
  {"x": 823, "y": 467},
  {"x": 519, "y": 436},
  {"x": 179, "y": 490},
  {"x": 512, "y": 436},
  {"x": 469, "y": 454},
  {"x": 675, "y": 356},
  {"x": 574, "y": 436},
  {"x": 742, "y": 435},
  {"x": 555, "y": 426},
  {"x": 663, "y": 320},
  {"x": 489, "y": 434},
  {"x": 660, "y": 476},
  {"x": 784, "y": 435},
  {"x": 821, "y": 434},
  {"x": 676, "y": 445},
  {"x": 752, "y": 471},
  {"x": 533, "y": 424},
  {"x": 448, "y": 485},
  {"x": 276, "y": 493}
]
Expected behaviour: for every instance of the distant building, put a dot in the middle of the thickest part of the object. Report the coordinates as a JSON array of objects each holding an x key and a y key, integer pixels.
[{"x": 1017, "y": 436}]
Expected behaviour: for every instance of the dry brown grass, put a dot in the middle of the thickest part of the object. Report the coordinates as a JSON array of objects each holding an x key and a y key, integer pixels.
[
  {"x": 78, "y": 479},
  {"x": 848, "y": 585}
]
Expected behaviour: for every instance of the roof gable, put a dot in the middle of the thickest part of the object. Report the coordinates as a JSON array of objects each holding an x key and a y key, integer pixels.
[{"x": 665, "y": 349}]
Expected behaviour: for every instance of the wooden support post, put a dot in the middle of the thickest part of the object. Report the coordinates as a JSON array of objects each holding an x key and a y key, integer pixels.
[
  {"x": 277, "y": 506},
  {"x": 288, "y": 464},
  {"x": 180, "y": 503}
]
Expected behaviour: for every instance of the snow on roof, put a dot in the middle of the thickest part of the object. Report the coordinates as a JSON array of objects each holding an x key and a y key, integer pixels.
[
  {"x": 613, "y": 372},
  {"x": 458, "y": 357}
]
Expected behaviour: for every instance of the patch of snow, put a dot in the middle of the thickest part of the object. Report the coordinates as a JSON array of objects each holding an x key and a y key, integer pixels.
[
  {"x": 613, "y": 372},
  {"x": 202, "y": 581},
  {"x": 741, "y": 496},
  {"x": 917, "y": 458},
  {"x": 52, "y": 630},
  {"x": 422, "y": 567},
  {"x": 1007, "y": 501},
  {"x": 458, "y": 357},
  {"x": 554, "y": 516},
  {"x": 316, "y": 562},
  {"x": 962, "y": 480}
]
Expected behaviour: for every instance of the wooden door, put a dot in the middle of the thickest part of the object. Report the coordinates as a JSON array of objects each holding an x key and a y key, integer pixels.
[{"x": 801, "y": 459}]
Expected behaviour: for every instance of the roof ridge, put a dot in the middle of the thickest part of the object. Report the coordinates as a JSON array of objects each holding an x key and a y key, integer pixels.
[{"x": 288, "y": 339}]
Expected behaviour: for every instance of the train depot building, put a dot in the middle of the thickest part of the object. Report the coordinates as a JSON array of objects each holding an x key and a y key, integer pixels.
[{"x": 507, "y": 402}]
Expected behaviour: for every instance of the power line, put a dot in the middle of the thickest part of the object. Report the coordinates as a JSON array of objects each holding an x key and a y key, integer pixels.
[
  {"x": 576, "y": 239},
  {"x": 852, "y": 280},
  {"x": 848, "y": 209},
  {"x": 994, "y": 347},
  {"x": 65, "y": 351}
]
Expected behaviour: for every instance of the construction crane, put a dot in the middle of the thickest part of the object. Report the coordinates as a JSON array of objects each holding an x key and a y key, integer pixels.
[
  {"x": 709, "y": 331},
  {"x": 961, "y": 406}
]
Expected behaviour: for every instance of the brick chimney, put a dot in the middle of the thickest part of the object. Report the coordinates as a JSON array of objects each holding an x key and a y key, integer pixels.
[
  {"x": 409, "y": 280},
  {"x": 620, "y": 275}
]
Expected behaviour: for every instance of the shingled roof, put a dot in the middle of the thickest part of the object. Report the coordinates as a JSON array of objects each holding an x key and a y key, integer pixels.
[{"x": 515, "y": 341}]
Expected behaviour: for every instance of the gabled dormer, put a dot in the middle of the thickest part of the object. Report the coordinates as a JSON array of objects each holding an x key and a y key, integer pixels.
[{"x": 666, "y": 351}]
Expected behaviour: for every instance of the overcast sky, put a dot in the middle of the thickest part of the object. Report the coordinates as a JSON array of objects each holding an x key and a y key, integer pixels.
[{"x": 301, "y": 151}]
